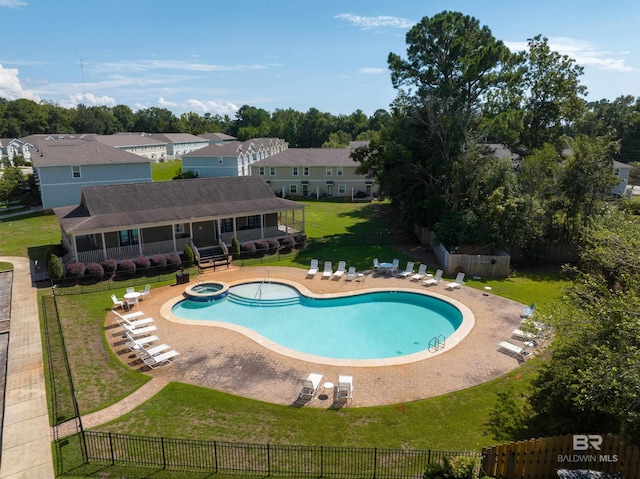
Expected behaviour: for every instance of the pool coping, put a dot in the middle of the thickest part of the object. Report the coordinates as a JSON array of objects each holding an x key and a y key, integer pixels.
[{"x": 468, "y": 322}]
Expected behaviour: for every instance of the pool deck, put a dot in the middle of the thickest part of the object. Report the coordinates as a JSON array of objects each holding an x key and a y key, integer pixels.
[{"x": 229, "y": 361}]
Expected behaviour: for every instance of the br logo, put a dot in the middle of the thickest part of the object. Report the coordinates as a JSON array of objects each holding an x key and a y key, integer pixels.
[{"x": 582, "y": 442}]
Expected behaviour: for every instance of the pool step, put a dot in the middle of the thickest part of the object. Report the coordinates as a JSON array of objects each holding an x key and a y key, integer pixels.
[{"x": 262, "y": 302}]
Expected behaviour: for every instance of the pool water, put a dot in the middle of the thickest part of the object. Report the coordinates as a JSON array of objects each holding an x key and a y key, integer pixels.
[{"x": 372, "y": 325}]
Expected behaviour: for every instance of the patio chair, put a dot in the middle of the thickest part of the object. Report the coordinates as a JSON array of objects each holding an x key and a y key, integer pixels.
[
  {"x": 408, "y": 271},
  {"x": 342, "y": 269},
  {"x": 422, "y": 272},
  {"x": 457, "y": 283},
  {"x": 435, "y": 280},
  {"x": 328, "y": 269},
  {"x": 523, "y": 335},
  {"x": 154, "y": 351},
  {"x": 344, "y": 390},
  {"x": 146, "y": 292},
  {"x": 512, "y": 349},
  {"x": 160, "y": 359},
  {"x": 313, "y": 268},
  {"x": 395, "y": 263},
  {"x": 134, "y": 344},
  {"x": 131, "y": 289},
  {"x": 351, "y": 274},
  {"x": 376, "y": 264},
  {"x": 117, "y": 303},
  {"x": 310, "y": 385}
]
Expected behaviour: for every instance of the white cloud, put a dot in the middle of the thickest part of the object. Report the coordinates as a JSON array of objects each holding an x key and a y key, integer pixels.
[
  {"x": 371, "y": 70},
  {"x": 13, "y": 3},
  {"x": 165, "y": 103},
  {"x": 381, "y": 21},
  {"x": 10, "y": 86},
  {"x": 227, "y": 108},
  {"x": 87, "y": 99},
  {"x": 583, "y": 52}
]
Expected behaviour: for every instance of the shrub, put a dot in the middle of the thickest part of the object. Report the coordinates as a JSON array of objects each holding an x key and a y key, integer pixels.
[
  {"x": 248, "y": 249},
  {"x": 75, "y": 269},
  {"x": 188, "y": 254},
  {"x": 235, "y": 247},
  {"x": 109, "y": 266},
  {"x": 288, "y": 242},
  {"x": 94, "y": 269},
  {"x": 142, "y": 262},
  {"x": 261, "y": 247},
  {"x": 456, "y": 467},
  {"x": 127, "y": 266},
  {"x": 159, "y": 261},
  {"x": 300, "y": 240},
  {"x": 173, "y": 261},
  {"x": 274, "y": 245},
  {"x": 54, "y": 267}
]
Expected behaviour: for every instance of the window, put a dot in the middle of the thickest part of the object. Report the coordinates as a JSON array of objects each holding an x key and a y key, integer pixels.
[
  {"x": 226, "y": 225},
  {"x": 254, "y": 221},
  {"x": 179, "y": 229},
  {"x": 220, "y": 161},
  {"x": 342, "y": 189},
  {"x": 293, "y": 189},
  {"x": 339, "y": 171},
  {"x": 75, "y": 171},
  {"x": 305, "y": 171},
  {"x": 329, "y": 171},
  {"x": 261, "y": 170},
  {"x": 294, "y": 171},
  {"x": 128, "y": 237},
  {"x": 272, "y": 171}
]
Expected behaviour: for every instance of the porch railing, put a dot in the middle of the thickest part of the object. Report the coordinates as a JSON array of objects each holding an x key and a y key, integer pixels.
[{"x": 127, "y": 252}]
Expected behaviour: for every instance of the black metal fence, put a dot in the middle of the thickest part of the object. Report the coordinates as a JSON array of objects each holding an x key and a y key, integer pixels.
[{"x": 119, "y": 450}]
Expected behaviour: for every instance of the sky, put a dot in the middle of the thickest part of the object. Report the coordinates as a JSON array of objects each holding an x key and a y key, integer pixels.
[{"x": 212, "y": 56}]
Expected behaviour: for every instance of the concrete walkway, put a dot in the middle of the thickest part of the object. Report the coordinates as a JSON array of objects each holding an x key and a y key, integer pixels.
[{"x": 26, "y": 438}]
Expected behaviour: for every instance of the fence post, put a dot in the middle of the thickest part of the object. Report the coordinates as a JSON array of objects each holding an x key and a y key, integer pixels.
[
  {"x": 321, "y": 461},
  {"x": 113, "y": 459},
  {"x": 429, "y": 456},
  {"x": 164, "y": 457},
  {"x": 215, "y": 455},
  {"x": 268, "y": 460},
  {"x": 375, "y": 462}
]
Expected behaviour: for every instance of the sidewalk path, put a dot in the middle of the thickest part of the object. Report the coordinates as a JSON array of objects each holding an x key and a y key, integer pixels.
[{"x": 26, "y": 437}]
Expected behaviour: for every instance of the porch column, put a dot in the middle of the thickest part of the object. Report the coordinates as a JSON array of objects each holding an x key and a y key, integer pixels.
[
  {"x": 262, "y": 226},
  {"x": 104, "y": 246},
  {"x": 190, "y": 233},
  {"x": 75, "y": 248},
  {"x": 173, "y": 237},
  {"x": 234, "y": 229},
  {"x": 219, "y": 230},
  {"x": 286, "y": 221},
  {"x": 140, "y": 241}
]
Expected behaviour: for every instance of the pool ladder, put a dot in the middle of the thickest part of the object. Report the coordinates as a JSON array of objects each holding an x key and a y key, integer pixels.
[
  {"x": 436, "y": 343},
  {"x": 258, "y": 296}
]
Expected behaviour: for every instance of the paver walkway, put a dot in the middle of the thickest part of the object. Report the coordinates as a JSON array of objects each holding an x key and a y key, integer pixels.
[{"x": 26, "y": 438}]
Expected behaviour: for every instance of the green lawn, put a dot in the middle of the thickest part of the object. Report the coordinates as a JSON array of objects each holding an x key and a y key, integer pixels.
[
  {"x": 165, "y": 171},
  {"x": 29, "y": 236}
]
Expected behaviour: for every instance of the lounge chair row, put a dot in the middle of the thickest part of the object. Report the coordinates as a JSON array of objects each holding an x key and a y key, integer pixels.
[
  {"x": 410, "y": 273},
  {"x": 531, "y": 336},
  {"x": 137, "y": 330},
  {"x": 328, "y": 272},
  {"x": 343, "y": 391}
]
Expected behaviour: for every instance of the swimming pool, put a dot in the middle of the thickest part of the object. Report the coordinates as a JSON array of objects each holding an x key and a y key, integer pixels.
[{"x": 373, "y": 325}]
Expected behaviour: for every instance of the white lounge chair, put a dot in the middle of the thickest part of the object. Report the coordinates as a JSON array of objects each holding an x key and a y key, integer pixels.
[
  {"x": 376, "y": 264},
  {"x": 117, "y": 303},
  {"x": 512, "y": 349},
  {"x": 342, "y": 269},
  {"x": 457, "y": 283},
  {"x": 313, "y": 268},
  {"x": 142, "y": 331},
  {"x": 328, "y": 269},
  {"x": 134, "y": 323},
  {"x": 310, "y": 385},
  {"x": 154, "y": 351},
  {"x": 408, "y": 271},
  {"x": 146, "y": 292},
  {"x": 134, "y": 344},
  {"x": 422, "y": 272},
  {"x": 351, "y": 274},
  {"x": 344, "y": 390},
  {"x": 435, "y": 280},
  {"x": 523, "y": 335},
  {"x": 160, "y": 359}
]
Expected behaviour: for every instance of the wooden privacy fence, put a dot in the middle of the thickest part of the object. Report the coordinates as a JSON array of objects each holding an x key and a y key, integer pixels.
[{"x": 540, "y": 458}]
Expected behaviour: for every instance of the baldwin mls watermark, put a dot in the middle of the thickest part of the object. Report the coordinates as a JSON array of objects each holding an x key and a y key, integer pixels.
[{"x": 588, "y": 445}]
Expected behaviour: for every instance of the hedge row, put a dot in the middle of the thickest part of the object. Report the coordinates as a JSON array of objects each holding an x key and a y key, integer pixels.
[
  {"x": 264, "y": 247},
  {"x": 109, "y": 267}
]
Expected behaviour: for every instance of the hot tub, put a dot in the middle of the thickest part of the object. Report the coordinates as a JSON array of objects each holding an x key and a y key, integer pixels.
[{"x": 207, "y": 291}]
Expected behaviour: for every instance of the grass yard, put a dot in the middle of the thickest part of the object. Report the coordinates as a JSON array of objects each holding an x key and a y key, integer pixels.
[
  {"x": 29, "y": 236},
  {"x": 165, "y": 171}
]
